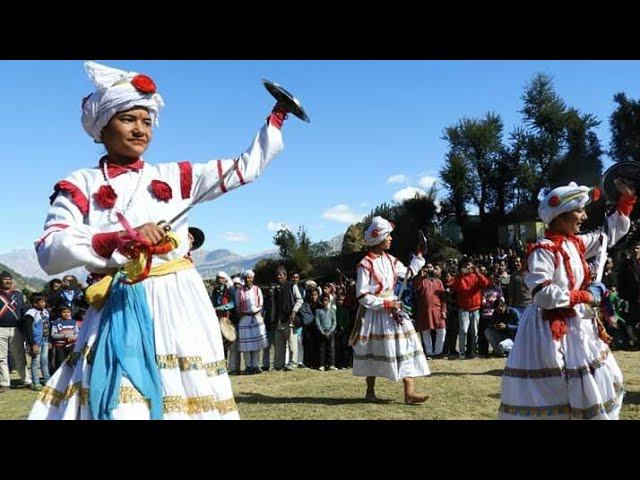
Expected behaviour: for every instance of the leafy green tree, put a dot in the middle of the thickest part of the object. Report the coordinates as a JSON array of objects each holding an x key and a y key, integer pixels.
[
  {"x": 625, "y": 129},
  {"x": 542, "y": 139},
  {"x": 582, "y": 162},
  {"x": 301, "y": 253},
  {"x": 286, "y": 242},
  {"x": 412, "y": 215},
  {"x": 353, "y": 240},
  {"x": 320, "y": 249},
  {"x": 384, "y": 210},
  {"x": 456, "y": 176},
  {"x": 478, "y": 143}
]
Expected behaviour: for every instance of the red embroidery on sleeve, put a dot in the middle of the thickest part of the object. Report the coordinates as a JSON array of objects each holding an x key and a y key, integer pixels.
[
  {"x": 186, "y": 179},
  {"x": 222, "y": 187},
  {"x": 77, "y": 197}
]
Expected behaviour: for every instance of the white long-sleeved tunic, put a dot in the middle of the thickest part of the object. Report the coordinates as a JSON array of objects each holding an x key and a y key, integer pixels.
[
  {"x": 383, "y": 348},
  {"x": 188, "y": 343},
  {"x": 575, "y": 377}
]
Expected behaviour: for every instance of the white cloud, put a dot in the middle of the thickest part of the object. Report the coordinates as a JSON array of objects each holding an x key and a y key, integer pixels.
[
  {"x": 427, "y": 182},
  {"x": 400, "y": 178},
  {"x": 364, "y": 204},
  {"x": 343, "y": 214},
  {"x": 276, "y": 226},
  {"x": 407, "y": 193},
  {"x": 235, "y": 237}
]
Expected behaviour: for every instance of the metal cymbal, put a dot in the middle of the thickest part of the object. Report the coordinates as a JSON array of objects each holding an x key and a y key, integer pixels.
[
  {"x": 628, "y": 172},
  {"x": 290, "y": 103}
]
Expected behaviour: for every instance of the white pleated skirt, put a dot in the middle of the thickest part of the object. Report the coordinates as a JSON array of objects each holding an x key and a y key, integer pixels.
[
  {"x": 575, "y": 377},
  {"x": 189, "y": 355},
  {"x": 385, "y": 349},
  {"x": 252, "y": 334}
]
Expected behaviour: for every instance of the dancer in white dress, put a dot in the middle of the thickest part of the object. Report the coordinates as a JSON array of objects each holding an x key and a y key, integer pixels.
[
  {"x": 560, "y": 367},
  {"x": 385, "y": 343},
  {"x": 150, "y": 345}
]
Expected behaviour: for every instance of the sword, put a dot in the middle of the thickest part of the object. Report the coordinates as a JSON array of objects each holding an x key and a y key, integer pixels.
[
  {"x": 166, "y": 226},
  {"x": 602, "y": 256},
  {"x": 422, "y": 245},
  {"x": 347, "y": 279}
]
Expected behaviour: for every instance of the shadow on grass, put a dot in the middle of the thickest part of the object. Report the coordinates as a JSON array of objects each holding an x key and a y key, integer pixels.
[
  {"x": 259, "y": 398},
  {"x": 632, "y": 398},
  {"x": 493, "y": 373}
]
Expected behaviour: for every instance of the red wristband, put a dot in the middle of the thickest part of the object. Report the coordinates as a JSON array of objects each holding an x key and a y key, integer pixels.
[
  {"x": 105, "y": 243},
  {"x": 578, "y": 296},
  {"x": 277, "y": 117},
  {"x": 626, "y": 204}
]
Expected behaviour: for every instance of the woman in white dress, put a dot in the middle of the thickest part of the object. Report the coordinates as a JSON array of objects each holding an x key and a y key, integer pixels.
[
  {"x": 385, "y": 343},
  {"x": 560, "y": 367},
  {"x": 150, "y": 346},
  {"x": 252, "y": 333}
]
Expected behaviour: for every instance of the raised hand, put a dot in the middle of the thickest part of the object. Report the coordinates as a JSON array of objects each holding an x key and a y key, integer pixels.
[{"x": 624, "y": 188}]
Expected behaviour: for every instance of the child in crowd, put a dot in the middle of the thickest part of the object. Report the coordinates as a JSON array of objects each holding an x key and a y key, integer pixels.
[
  {"x": 36, "y": 331},
  {"x": 344, "y": 324},
  {"x": 64, "y": 332},
  {"x": 326, "y": 324}
]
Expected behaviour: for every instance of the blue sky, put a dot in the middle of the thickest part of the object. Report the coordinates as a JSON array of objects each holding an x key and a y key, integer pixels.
[{"x": 375, "y": 131}]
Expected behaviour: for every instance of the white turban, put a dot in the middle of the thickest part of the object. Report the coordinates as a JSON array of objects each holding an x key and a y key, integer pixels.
[
  {"x": 566, "y": 199},
  {"x": 222, "y": 274},
  {"x": 377, "y": 231},
  {"x": 248, "y": 273},
  {"x": 116, "y": 91}
]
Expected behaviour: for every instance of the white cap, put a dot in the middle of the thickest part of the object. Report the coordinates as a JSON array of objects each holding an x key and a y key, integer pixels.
[
  {"x": 566, "y": 199},
  {"x": 377, "y": 231}
]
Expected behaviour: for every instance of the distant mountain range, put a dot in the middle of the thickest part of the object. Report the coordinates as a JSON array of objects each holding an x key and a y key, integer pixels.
[{"x": 25, "y": 262}]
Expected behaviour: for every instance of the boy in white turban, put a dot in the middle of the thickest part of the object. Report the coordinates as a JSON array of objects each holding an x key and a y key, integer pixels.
[
  {"x": 149, "y": 346},
  {"x": 560, "y": 367},
  {"x": 385, "y": 343}
]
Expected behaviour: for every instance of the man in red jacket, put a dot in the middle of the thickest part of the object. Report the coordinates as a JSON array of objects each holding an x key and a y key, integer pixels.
[{"x": 468, "y": 285}]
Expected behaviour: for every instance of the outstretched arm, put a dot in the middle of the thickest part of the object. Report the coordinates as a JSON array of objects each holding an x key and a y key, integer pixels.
[{"x": 207, "y": 184}]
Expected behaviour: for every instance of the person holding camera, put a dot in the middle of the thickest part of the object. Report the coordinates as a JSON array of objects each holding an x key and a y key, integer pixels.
[
  {"x": 468, "y": 285},
  {"x": 430, "y": 310},
  {"x": 560, "y": 367}
]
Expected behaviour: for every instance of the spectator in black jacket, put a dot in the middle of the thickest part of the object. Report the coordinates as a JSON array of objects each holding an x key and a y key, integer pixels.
[{"x": 12, "y": 309}]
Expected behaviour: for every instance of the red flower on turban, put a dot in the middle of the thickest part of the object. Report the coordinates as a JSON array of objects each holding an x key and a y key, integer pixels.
[
  {"x": 143, "y": 84},
  {"x": 375, "y": 233},
  {"x": 554, "y": 201},
  {"x": 161, "y": 190},
  {"x": 105, "y": 197}
]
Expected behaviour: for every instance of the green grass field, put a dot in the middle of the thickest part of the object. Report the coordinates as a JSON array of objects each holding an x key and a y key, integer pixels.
[{"x": 459, "y": 389}]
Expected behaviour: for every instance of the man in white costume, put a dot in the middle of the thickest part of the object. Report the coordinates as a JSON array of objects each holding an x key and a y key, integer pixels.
[
  {"x": 385, "y": 343},
  {"x": 150, "y": 347},
  {"x": 560, "y": 367}
]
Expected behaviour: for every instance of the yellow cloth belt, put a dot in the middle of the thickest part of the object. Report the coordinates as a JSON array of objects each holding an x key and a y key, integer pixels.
[
  {"x": 386, "y": 294},
  {"x": 96, "y": 295}
]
